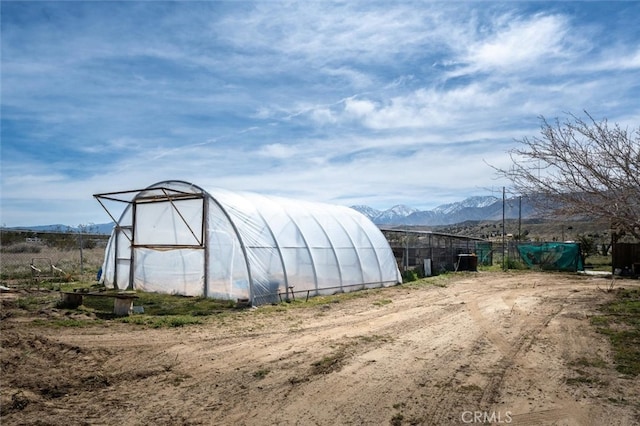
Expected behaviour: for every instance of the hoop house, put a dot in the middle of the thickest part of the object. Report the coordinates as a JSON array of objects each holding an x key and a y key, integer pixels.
[{"x": 174, "y": 237}]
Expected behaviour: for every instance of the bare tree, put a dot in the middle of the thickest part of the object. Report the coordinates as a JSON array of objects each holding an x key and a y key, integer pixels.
[{"x": 581, "y": 168}]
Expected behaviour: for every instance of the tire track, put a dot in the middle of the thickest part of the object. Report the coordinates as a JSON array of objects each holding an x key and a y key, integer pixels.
[
  {"x": 421, "y": 354},
  {"x": 511, "y": 349}
]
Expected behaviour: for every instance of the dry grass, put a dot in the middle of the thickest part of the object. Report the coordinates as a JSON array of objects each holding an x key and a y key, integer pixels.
[{"x": 15, "y": 267}]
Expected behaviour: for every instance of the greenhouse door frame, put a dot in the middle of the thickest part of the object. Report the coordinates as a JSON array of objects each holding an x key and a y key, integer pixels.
[
  {"x": 156, "y": 195},
  {"x": 122, "y": 232}
]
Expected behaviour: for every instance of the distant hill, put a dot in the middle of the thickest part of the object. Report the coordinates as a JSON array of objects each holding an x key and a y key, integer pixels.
[
  {"x": 479, "y": 208},
  {"x": 475, "y": 216},
  {"x": 473, "y": 208},
  {"x": 102, "y": 228}
]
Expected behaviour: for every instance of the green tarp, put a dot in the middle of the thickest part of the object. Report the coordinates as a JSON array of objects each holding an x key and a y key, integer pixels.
[
  {"x": 552, "y": 256},
  {"x": 484, "y": 253}
]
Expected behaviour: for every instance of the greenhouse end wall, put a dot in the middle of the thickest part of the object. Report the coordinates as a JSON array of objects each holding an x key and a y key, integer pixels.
[{"x": 174, "y": 237}]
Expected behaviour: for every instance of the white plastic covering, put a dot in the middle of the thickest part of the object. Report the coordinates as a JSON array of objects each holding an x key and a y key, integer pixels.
[{"x": 240, "y": 245}]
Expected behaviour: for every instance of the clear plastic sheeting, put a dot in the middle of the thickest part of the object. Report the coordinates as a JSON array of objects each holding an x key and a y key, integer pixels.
[{"x": 174, "y": 237}]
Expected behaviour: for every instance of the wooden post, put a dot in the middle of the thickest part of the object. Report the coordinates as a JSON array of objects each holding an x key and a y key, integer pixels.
[
  {"x": 122, "y": 307},
  {"x": 71, "y": 300}
]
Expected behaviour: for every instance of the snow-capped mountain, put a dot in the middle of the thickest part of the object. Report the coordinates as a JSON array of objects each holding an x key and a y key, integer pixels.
[
  {"x": 472, "y": 208},
  {"x": 395, "y": 214},
  {"x": 369, "y": 212},
  {"x": 471, "y": 202}
]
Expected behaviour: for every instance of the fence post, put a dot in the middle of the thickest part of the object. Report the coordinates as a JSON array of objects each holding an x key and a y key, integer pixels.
[{"x": 81, "y": 256}]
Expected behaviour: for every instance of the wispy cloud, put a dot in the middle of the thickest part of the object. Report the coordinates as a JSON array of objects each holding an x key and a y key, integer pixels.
[
  {"x": 518, "y": 43},
  {"x": 349, "y": 102}
]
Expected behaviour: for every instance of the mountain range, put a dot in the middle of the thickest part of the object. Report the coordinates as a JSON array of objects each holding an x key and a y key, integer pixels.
[
  {"x": 472, "y": 208},
  {"x": 101, "y": 228}
]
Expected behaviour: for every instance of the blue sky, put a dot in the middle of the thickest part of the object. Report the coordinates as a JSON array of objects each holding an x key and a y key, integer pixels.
[{"x": 376, "y": 103}]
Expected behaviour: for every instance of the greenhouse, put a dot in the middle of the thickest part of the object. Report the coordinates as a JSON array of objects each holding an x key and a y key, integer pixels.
[{"x": 175, "y": 237}]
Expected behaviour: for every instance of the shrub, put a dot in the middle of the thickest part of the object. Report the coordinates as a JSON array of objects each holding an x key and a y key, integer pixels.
[
  {"x": 515, "y": 264},
  {"x": 409, "y": 275},
  {"x": 22, "y": 248}
]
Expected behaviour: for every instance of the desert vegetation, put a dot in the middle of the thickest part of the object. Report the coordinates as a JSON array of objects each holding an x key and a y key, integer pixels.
[{"x": 64, "y": 255}]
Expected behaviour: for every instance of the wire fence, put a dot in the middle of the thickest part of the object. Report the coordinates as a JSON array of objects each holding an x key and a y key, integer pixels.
[
  {"x": 27, "y": 256},
  {"x": 416, "y": 250}
]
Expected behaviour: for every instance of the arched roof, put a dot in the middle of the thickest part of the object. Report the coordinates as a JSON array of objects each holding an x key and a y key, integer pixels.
[{"x": 286, "y": 244}]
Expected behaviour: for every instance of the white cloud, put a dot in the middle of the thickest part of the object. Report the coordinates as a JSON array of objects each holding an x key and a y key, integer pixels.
[
  {"x": 277, "y": 151},
  {"x": 522, "y": 43},
  {"x": 432, "y": 108},
  {"x": 327, "y": 101},
  {"x": 622, "y": 59},
  {"x": 324, "y": 31},
  {"x": 323, "y": 115},
  {"x": 359, "y": 108},
  {"x": 353, "y": 77}
]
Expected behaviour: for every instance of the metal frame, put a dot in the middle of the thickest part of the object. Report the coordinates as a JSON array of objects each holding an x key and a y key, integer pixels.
[{"x": 159, "y": 194}]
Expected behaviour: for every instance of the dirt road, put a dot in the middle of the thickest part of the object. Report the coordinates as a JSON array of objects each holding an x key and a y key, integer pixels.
[{"x": 514, "y": 348}]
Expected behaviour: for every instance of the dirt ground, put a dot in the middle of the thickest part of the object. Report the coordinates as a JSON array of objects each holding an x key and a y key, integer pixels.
[{"x": 514, "y": 348}]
